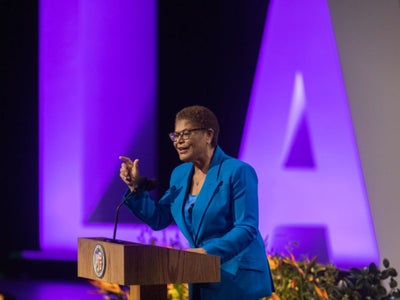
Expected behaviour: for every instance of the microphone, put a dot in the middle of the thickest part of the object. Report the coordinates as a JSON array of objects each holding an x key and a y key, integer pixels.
[{"x": 141, "y": 184}]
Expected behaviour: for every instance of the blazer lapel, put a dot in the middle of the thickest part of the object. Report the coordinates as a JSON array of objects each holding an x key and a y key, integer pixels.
[
  {"x": 207, "y": 192},
  {"x": 200, "y": 208}
]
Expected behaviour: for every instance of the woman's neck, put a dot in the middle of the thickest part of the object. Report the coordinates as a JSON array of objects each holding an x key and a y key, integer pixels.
[{"x": 203, "y": 164}]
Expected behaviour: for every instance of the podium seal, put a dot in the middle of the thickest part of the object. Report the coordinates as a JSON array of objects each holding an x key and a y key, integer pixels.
[{"x": 99, "y": 260}]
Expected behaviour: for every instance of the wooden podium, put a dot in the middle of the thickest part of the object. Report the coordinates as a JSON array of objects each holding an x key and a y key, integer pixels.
[{"x": 146, "y": 269}]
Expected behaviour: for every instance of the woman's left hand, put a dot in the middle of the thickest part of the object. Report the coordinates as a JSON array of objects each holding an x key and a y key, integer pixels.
[{"x": 197, "y": 250}]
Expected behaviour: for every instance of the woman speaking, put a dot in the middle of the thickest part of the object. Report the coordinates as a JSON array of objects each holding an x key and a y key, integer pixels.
[{"x": 213, "y": 199}]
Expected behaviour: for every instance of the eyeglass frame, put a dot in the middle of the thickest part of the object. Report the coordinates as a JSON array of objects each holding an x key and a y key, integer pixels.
[{"x": 184, "y": 134}]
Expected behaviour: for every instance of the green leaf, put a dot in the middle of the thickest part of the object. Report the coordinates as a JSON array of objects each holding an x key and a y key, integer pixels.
[
  {"x": 386, "y": 263},
  {"x": 385, "y": 274},
  {"x": 393, "y": 283},
  {"x": 355, "y": 271},
  {"x": 396, "y": 293},
  {"x": 359, "y": 284},
  {"x": 381, "y": 290},
  {"x": 392, "y": 272}
]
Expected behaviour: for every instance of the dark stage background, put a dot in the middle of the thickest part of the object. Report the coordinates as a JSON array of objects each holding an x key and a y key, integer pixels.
[{"x": 207, "y": 55}]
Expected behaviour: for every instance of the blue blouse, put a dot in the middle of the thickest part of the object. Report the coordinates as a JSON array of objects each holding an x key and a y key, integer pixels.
[{"x": 190, "y": 200}]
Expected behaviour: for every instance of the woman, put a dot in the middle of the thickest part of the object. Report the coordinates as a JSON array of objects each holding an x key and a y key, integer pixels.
[{"x": 213, "y": 199}]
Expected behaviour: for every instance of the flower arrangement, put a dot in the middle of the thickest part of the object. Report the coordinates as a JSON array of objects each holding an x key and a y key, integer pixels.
[
  {"x": 303, "y": 279},
  {"x": 308, "y": 279},
  {"x": 368, "y": 283},
  {"x": 112, "y": 291}
]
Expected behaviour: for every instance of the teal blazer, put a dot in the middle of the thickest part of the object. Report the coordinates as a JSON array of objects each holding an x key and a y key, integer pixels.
[{"x": 225, "y": 223}]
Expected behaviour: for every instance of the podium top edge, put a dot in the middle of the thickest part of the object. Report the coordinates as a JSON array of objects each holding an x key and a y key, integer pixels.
[
  {"x": 110, "y": 240},
  {"x": 127, "y": 243}
]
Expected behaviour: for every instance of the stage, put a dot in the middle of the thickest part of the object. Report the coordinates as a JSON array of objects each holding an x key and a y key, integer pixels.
[
  {"x": 43, "y": 289},
  {"x": 35, "y": 279}
]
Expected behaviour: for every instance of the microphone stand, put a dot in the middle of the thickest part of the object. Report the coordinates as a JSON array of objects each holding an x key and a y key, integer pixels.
[
  {"x": 116, "y": 219},
  {"x": 142, "y": 184}
]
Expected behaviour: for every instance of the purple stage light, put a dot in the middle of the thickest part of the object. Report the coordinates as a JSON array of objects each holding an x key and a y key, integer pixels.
[
  {"x": 97, "y": 93},
  {"x": 299, "y": 136}
]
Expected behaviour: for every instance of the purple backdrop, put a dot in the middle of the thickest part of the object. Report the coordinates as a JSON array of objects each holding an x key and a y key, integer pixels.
[
  {"x": 98, "y": 101},
  {"x": 299, "y": 136},
  {"x": 98, "y": 71}
]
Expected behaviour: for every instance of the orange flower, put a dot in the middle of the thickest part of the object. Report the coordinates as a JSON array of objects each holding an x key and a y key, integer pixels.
[
  {"x": 273, "y": 262},
  {"x": 321, "y": 292},
  {"x": 294, "y": 263},
  {"x": 107, "y": 287},
  {"x": 275, "y": 297}
]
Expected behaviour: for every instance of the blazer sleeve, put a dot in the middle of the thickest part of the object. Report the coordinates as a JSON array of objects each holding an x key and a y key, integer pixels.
[{"x": 155, "y": 214}]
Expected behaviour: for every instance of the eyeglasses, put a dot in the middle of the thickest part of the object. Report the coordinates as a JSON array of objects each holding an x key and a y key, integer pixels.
[{"x": 185, "y": 134}]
